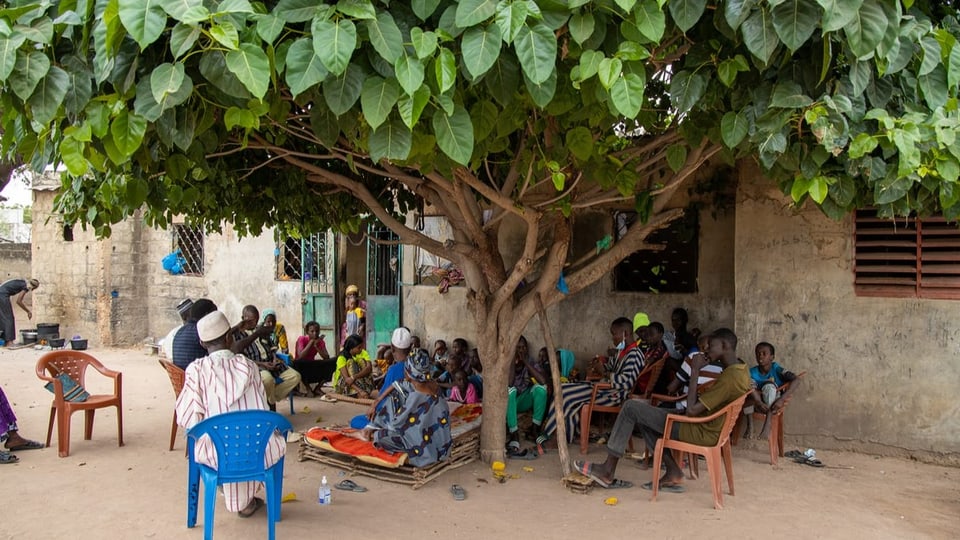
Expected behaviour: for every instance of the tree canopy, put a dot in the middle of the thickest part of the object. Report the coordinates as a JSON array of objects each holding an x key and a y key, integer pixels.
[{"x": 308, "y": 115}]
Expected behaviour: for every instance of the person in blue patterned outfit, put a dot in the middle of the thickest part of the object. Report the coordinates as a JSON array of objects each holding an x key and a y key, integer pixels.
[
  {"x": 621, "y": 375},
  {"x": 416, "y": 419}
]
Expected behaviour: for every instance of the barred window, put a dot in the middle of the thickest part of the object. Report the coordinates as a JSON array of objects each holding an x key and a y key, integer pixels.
[
  {"x": 671, "y": 270},
  {"x": 189, "y": 240},
  {"x": 912, "y": 257},
  {"x": 289, "y": 259}
]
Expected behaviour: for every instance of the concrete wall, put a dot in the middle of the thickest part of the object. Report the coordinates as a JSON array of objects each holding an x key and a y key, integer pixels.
[
  {"x": 881, "y": 372},
  {"x": 15, "y": 261}
]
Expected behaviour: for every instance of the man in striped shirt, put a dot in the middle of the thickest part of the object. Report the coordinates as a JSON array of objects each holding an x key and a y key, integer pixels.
[{"x": 221, "y": 382}]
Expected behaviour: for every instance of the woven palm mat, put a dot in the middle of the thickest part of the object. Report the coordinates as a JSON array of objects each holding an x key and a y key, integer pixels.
[{"x": 578, "y": 483}]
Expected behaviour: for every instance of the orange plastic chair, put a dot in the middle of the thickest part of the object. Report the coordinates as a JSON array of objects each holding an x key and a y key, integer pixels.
[
  {"x": 74, "y": 364},
  {"x": 586, "y": 412},
  {"x": 776, "y": 424},
  {"x": 713, "y": 454},
  {"x": 656, "y": 399},
  {"x": 177, "y": 377}
]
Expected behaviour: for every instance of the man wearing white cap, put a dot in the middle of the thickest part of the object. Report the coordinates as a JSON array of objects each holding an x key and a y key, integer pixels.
[{"x": 224, "y": 381}]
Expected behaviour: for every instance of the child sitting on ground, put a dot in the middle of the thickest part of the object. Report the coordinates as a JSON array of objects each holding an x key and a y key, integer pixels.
[
  {"x": 767, "y": 377},
  {"x": 462, "y": 391}
]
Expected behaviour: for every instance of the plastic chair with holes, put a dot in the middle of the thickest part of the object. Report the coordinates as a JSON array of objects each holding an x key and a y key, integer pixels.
[
  {"x": 240, "y": 439},
  {"x": 74, "y": 364},
  {"x": 177, "y": 377},
  {"x": 714, "y": 455},
  {"x": 775, "y": 440},
  {"x": 586, "y": 412},
  {"x": 286, "y": 360}
]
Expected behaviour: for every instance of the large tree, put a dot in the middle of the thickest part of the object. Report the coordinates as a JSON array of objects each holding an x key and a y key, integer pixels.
[{"x": 308, "y": 115}]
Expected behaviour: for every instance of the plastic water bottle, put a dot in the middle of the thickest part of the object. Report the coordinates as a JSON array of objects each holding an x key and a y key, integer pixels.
[{"x": 323, "y": 496}]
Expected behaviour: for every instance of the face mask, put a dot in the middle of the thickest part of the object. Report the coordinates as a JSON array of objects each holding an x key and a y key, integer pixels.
[{"x": 622, "y": 345}]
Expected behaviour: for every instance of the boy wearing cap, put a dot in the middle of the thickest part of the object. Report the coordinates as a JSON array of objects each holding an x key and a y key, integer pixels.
[
  {"x": 220, "y": 382},
  {"x": 419, "y": 423}
]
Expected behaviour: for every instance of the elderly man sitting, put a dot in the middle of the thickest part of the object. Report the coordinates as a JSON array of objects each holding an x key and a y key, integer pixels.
[{"x": 224, "y": 381}]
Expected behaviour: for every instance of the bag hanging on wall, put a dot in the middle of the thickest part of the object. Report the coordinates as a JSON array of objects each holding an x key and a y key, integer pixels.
[{"x": 174, "y": 262}]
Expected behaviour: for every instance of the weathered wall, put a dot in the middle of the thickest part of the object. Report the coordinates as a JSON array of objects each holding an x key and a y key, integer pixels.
[
  {"x": 581, "y": 322},
  {"x": 881, "y": 372},
  {"x": 15, "y": 261}
]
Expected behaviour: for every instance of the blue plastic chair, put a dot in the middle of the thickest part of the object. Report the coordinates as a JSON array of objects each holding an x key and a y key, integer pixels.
[
  {"x": 286, "y": 360},
  {"x": 240, "y": 438}
]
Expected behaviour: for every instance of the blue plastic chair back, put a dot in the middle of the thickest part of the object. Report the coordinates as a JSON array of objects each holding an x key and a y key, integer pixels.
[
  {"x": 286, "y": 360},
  {"x": 240, "y": 439}
]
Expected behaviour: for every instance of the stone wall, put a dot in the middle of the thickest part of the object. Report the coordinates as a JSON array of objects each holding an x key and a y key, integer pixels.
[
  {"x": 15, "y": 261},
  {"x": 881, "y": 372}
]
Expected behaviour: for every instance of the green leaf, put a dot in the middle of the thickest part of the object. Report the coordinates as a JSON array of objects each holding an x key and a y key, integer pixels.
[
  {"x": 686, "y": 13},
  {"x": 650, "y": 20},
  {"x": 590, "y": 64},
  {"x": 334, "y": 43},
  {"x": 455, "y": 134},
  {"x": 446, "y": 70},
  {"x": 510, "y": 18},
  {"x": 269, "y": 27},
  {"x": 143, "y": 19},
  {"x": 226, "y": 34},
  {"x": 304, "y": 68},
  {"x": 891, "y": 189},
  {"x": 800, "y": 188},
  {"x": 819, "y": 187},
  {"x": 79, "y": 91},
  {"x": 243, "y": 118},
  {"x": 795, "y": 21},
  {"x": 71, "y": 151},
  {"x": 409, "y": 72},
  {"x": 934, "y": 87},
  {"x": 581, "y": 27},
  {"x": 861, "y": 145},
  {"x": 627, "y": 94},
  {"x": 29, "y": 69},
  {"x": 385, "y": 36},
  {"x": 8, "y": 55},
  {"x": 686, "y": 89},
  {"x": 727, "y": 72},
  {"x": 377, "y": 99},
  {"x": 480, "y": 47},
  {"x": 182, "y": 38},
  {"x": 733, "y": 128},
  {"x": 677, "y": 156},
  {"x": 737, "y": 11},
  {"x": 838, "y": 13},
  {"x": 48, "y": 96},
  {"x": 294, "y": 11},
  {"x": 424, "y": 8},
  {"x": 390, "y": 141},
  {"x": 626, "y": 5},
  {"x": 789, "y": 95},
  {"x": 536, "y": 49},
  {"x": 866, "y": 29},
  {"x": 342, "y": 92},
  {"x": 503, "y": 79},
  {"x": 411, "y": 106},
  {"x": 358, "y": 9},
  {"x": 953, "y": 73},
  {"x": 471, "y": 12},
  {"x": 541, "y": 93},
  {"x": 931, "y": 55},
  {"x": 580, "y": 142},
  {"x": 166, "y": 79},
  {"x": 608, "y": 71},
  {"x": 424, "y": 43},
  {"x": 234, "y": 6},
  {"x": 179, "y": 8},
  {"x": 948, "y": 168},
  {"x": 251, "y": 65},
  {"x": 127, "y": 132},
  {"x": 759, "y": 35},
  {"x": 136, "y": 191}
]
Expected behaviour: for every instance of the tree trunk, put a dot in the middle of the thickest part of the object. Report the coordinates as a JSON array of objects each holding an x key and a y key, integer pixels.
[{"x": 496, "y": 367}]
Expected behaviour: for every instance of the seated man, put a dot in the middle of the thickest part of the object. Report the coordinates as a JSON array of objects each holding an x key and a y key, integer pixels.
[
  {"x": 650, "y": 338},
  {"x": 185, "y": 343},
  {"x": 10, "y": 434},
  {"x": 651, "y": 420},
  {"x": 621, "y": 374},
  {"x": 768, "y": 376},
  {"x": 415, "y": 422},
  {"x": 221, "y": 382},
  {"x": 708, "y": 373},
  {"x": 183, "y": 310},
  {"x": 524, "y": 395},
  {"x": 253, "y": 341}
]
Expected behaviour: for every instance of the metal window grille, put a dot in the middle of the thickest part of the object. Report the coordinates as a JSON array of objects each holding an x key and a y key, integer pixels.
[
  {"x": 912, "y": 257},
  {"x": 671, "y": 270},
  {"x": 383, "y": 261},
  {"x": 189, "y": 240},
  {"x": 288, "y": 257},
  {"x": 317, "y": 265}
]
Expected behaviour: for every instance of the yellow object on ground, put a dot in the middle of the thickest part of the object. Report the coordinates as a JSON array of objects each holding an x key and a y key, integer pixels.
[
  {"x": 612, "y": 501},
  {"x": 528, "y": 469},
  {"x": 289, "y": 497},
  {"x": 498, "y": 466}
]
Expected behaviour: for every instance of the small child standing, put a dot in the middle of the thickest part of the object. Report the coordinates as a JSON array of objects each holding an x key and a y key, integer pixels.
[{"x": 767, "y": 377}]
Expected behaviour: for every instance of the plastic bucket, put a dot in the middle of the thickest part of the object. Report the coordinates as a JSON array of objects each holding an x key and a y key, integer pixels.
[
  {"x": 48, "y": 331},
  {"x": 78, "y": 344}
]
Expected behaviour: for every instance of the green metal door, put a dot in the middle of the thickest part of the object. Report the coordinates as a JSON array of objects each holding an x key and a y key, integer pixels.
[
  {"x": 383, "y": 284},
  {"x": 319, "y": 285}
]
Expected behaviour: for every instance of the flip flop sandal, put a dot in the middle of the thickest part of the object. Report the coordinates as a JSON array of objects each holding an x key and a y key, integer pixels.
[
  {"x": 618, "y": 484},
  {"x": 670, "y": 488},
  {"x": 27, "y": 445},
  {"x": 350, "y": 485},
  {"x": 813, "y": 462},
  {"x": 794, "y": 454},
  {"x": 7, "y": 458},
  {"x": 586, "y": 468},
  {"x": 524, "y": 454},
  {"x": 458, "y": 492},
  {"x": 257, "y": 505}
]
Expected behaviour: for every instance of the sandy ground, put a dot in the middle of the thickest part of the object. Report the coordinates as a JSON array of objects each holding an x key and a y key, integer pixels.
[{"x": 138, "y": 491}]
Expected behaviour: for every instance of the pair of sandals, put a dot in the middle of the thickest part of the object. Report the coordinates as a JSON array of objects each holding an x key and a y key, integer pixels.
[
  {"x": 514, "y": 452},
  {"x": 588, "y": 469},
  {"x": 801, "y": 458}
]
